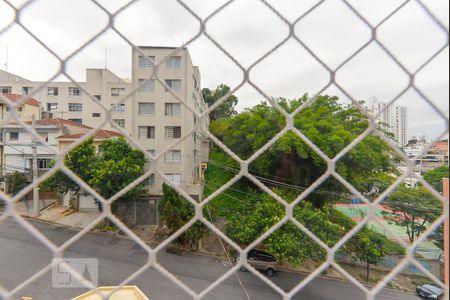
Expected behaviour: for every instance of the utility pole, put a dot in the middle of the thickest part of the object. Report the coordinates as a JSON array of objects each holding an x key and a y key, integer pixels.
[{"x": 35, "y": 172}]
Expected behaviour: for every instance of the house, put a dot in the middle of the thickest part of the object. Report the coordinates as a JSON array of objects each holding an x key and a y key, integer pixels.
[{"x": 25, "y": 111}]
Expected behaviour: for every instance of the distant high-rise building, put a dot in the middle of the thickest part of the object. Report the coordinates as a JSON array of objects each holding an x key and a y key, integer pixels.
[{"x": 393, "y": 119}]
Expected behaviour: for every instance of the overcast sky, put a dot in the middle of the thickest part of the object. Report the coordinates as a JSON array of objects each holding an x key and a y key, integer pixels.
[{"x": 247, "y": 30}]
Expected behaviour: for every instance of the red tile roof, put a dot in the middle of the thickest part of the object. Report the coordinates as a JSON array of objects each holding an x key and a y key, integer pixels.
[
  {"x": 59, "y": 122},
  {"x": 15, "y": 98},
  {"x": 100, "y": 134},
  {"x": 440, "y": 146}
]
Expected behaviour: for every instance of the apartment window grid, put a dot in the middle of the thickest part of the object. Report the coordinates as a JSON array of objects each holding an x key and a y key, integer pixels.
[
  {"x": 26, "y": 90},
  {"x": 146, "y": 132},
  {"x": 173, "y": 62},
  {"x": 120, "y": 122},
  {"x": 117, "y": 92},
  {"x": 146, "y": 108},
  {"x": 52, "y": 91},
  {"x": 75, "y": 107},
  {"x": 5, "y": 90},
  {"x": 172, "y": 132},
  {"x": 52, "y": 107},
  {"x": 173, "y": 109},
  {"x": 174, "y": 84},
  {"x": 13, "y": 136},
  {"x": 330, "y": 260},
  {"x": 146, "y": 62},
  {"x": 74, "y": 91},
  {"x": 147, "y": 86},
  {"x": 172, "y": 157},
  {"x": 76, "y": 120},
  {"x": 175, "y": 178},
  {"x": 118, "y": 108},
  {"x": 96, "y": 115}
]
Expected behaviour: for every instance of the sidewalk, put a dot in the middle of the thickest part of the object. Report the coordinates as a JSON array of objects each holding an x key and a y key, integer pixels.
[{"x": 54, "y": 214}]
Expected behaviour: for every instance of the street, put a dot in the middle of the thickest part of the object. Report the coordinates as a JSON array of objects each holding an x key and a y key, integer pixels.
[{"x": 21, "y": 255}]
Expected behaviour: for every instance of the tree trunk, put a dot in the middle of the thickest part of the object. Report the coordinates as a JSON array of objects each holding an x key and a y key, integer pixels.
[{"x": 367, "y": 271}]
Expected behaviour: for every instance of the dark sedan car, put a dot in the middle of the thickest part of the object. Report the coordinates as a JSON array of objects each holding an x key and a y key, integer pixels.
[{"x": 429, "y": 292}]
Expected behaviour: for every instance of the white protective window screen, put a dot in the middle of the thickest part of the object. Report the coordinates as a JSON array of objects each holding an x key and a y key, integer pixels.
[
  {"x": 172, "y": 132},
  {"x": 172, "y": 156},
  {"x": 146, "y": 62},
  {"x": 119, "y": 108},
  {"x": 174, "y": 84},
  {"x": 173, "y": 109},
  {"x": 173, "y": 62},
  {"x": 146, "y": 85},
  {"x": 119, "y": 122},
  {"x": 175, "y": 178},
  {"x": 146, "y": 108},
  {"x": 146, "y": 132}
]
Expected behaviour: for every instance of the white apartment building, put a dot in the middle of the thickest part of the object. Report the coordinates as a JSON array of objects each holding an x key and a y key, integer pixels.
[
  {"x": 160, "y": 119},
  {"x": 153, "y": 116},
  {"x": 67, "y": 101},
  {"x": 393, "y": 119}
]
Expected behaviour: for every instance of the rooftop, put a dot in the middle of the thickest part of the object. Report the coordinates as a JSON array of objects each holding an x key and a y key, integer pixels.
[{"x": 16, "y": 97}]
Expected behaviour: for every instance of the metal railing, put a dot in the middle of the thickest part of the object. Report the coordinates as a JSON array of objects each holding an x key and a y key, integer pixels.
[{"x": 370, "y": 292}]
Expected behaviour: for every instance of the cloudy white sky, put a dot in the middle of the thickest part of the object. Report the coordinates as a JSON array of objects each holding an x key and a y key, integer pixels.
[{"x": 247, "y": 30}]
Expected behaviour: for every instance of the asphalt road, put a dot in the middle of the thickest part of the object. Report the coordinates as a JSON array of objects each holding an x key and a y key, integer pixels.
[{"x": 21, "y": 255}]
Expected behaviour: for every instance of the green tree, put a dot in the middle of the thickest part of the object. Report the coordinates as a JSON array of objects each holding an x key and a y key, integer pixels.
[
  {"x": 226, "y": 109},
  {"x": 412, "y": 209},
  {"x": 368, "y": 247},
  {"x": 434, "y": 177},
  {"x": 82, "y": 161},
  {"x": 116, "y": 167},
  {"x": 175, "y": 212},
  {"x": 18, "y": 182},
  {"x": 329, "y": 124}
]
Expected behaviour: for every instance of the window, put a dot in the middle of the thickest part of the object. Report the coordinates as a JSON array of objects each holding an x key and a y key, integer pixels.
[
  {"x": 43, "y": 135},
  {"x": 118, "y": 108},
  {"x": 117, "y": 91},
  {"x": 74, "y": 91},
  {"x": 78, "y": 121},
  {"x": 173, "y": 62},
  {"x": 120, "y": 122},
  {"x": 13, "y": 136},
  {"x": 146, "y": 132},
  {"x": 146, "y": 62},
  {"x": 172, "y": 132},
  {"x": 5, "y": 89},
  {"x": 98, "y": 97},
  {"x": 52, "y": 106},
  {"x": 42, "y": 163},
  {"x": 174, "y": 84},
  {"x": 146, "y": 108},
  {"x": 75, "y": 107},
  {"x": 148, "y": 86},
  {"x": 52, "y": 91},
  {"x": 96, "y": 115},
  {"x": 26, "y": 90},
  {"x": 175, "y": 178},
  {"x": 172, "y": 157},
  {"x": 173, "y": 109}
]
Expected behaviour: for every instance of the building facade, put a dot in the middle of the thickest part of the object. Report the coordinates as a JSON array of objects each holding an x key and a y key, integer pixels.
[
  {"x": 393, "y": 119},
  {"x": 152, "y": 116}
]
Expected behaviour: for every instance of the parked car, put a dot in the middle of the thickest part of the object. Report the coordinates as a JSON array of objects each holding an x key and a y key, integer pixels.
[
  {"x": 430, "y": 291},
  {"x": 261, "y": 260}
]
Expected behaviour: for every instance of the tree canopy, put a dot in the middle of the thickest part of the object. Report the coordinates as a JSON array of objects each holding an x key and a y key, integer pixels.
[
  {"x": 226, "y": 109},
  {"x": 434, "y": 177},
  {"x": 412, "y": 209},
  {"x": 108, "y": 172},
  {"x": 329, "y": 124}
]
